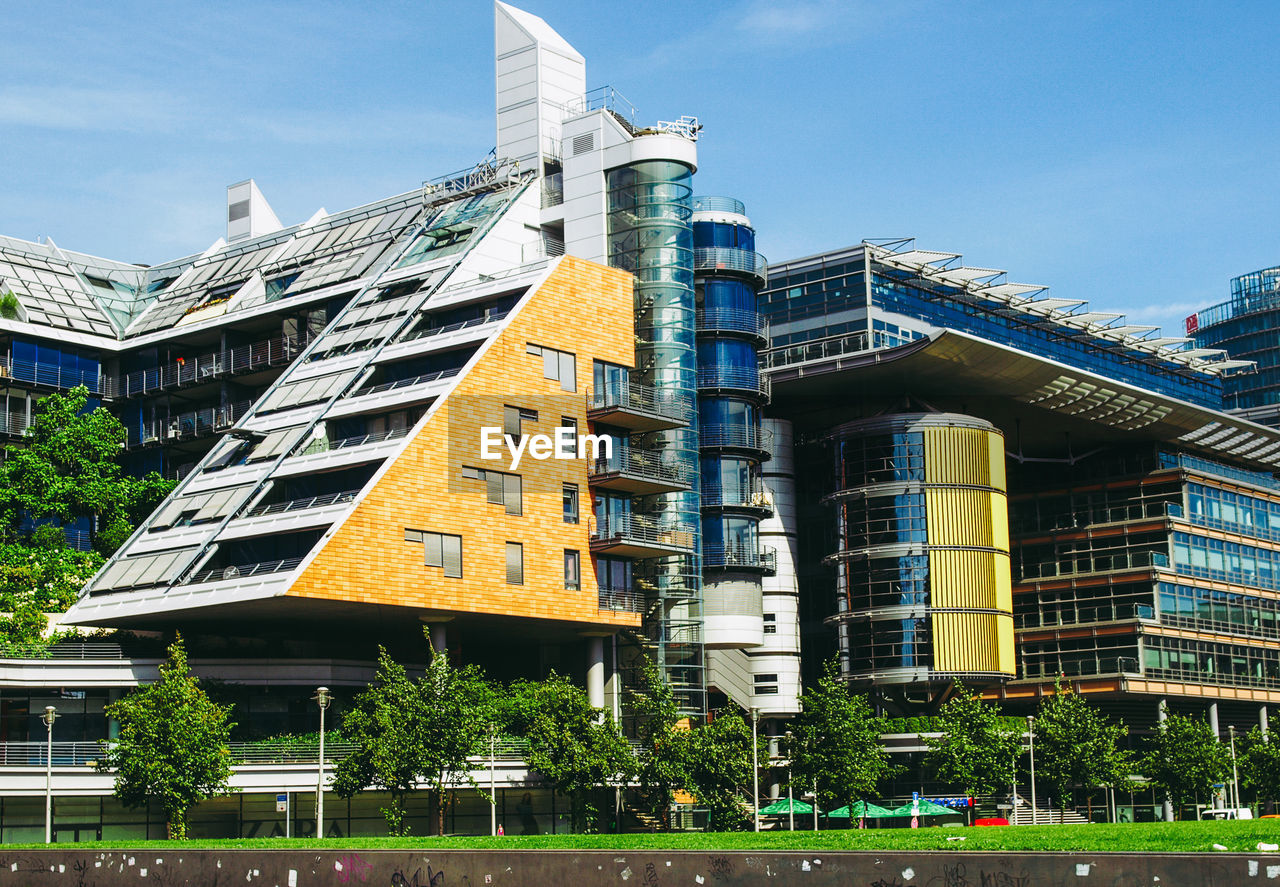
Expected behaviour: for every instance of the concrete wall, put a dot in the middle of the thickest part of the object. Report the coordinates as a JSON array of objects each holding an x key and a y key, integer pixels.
[{"x": 426, "y": 868}]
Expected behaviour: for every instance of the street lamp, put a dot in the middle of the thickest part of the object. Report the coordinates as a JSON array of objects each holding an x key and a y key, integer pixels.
[
  {"x": 1235, "y": 776},
  {"x": 322, "y": 698},
  {"x": 493, "y": 794},
  {"x": 791, "y": 804},
  {"x": 755, "y": 767},
  {"x": 50, "y": 715},
  {"x": 1031, "y": 736}
]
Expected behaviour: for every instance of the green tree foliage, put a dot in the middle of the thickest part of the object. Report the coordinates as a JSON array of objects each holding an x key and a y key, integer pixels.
[
  {"x": 975, "y": 751},
  {"x": 719, "y": 767},
  {"x": 1259, "y": 764},
  {"x": 1184, "y": 760},
  {"x": 172, "y": 747},
  {"x": 66, "y": 469},
  {"x": 575, "y": 746},
  {"x": 9, "y": 306},
  {"x": 662, "y": 762},
  {"x": 410, "y": 732},
  {"x": 836, "y": 743},
  {"x": 1077, "y": 747}
]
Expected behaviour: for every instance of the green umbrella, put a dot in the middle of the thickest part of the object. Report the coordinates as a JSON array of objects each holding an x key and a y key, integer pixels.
[
  {"x": 784, "y": 807},
  {"x": 859, "y": 810},
  {"x": 927, "y": 808}
]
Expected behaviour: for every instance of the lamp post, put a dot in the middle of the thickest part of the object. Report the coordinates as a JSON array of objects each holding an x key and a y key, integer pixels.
[
  {"x": 815, "y": 803},
  {"x": 755, "y": 767},
  {"x": 1031, "y": 736},
  {"x": 322, "y": 698},
  {"x": 493, "y": 766},
  {"x": 1235, "y": 776},
  {"x": 50, "y": 715},
  {"x": 791, "y": 804}
]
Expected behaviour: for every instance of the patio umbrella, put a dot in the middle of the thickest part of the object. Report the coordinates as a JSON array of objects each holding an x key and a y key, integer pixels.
[
  {"x": 783, "y": 807},
  {"x": 927, "y": 808},
  {"x": 859, "y": 810}
]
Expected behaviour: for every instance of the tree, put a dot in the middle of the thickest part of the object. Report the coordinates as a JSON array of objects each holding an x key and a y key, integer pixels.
[
  {"x": 720, "y": 769},
  {"x": 975, "y": 751},
  {"x": 1184, "y": 760},
  {"x": 66, "y": 470},
  {"x": 836, "y": 743},
  {"x": 1260, "y": 764},
  {"x": 662, "y": 762},
  {"x": 1078, "y": 746},
  {"x": 414, "y": 732},
  {"x": 172, "y": 747},
  {"x": 577, "y": 747}
]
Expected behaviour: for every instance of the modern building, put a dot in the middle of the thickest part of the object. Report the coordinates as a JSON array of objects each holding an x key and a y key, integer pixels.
[{"x": 1246, "y": 327}]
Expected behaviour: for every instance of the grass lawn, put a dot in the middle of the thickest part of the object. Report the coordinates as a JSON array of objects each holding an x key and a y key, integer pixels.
[{"x": 1097, "y": 837}]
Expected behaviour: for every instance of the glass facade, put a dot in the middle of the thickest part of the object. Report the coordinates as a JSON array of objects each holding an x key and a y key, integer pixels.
[{"x": 1247, "y": 327}]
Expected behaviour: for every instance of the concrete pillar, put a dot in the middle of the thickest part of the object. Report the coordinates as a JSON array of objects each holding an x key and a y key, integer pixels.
[
  {"x": 1262, "y": 718},
  {"x": 595, "y": 671},
  {"x": 1162, "y": 715},
  {"x": 438, "y": 637},
  {"x": 1213, "y": 721}
]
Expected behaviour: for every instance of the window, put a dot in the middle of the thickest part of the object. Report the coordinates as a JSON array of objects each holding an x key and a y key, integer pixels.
[
  {"x": 570, "y": 503},
  {"x": 503, "y": 489},
  {"x": 567, "y": 448},
  {"x": 439, "y": 550},
  {"x": 559, "y": 366},
  {"x": 515, "y": 563},
  {"x": 572, "y": 570},
  {"x": 513, "y": 419},
  {"x": 770, "y": 623},
  {"x": 766, "y": 685}
]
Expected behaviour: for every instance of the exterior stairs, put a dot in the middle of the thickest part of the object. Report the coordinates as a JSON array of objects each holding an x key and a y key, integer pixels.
[{"x": 1045, "y": 816}]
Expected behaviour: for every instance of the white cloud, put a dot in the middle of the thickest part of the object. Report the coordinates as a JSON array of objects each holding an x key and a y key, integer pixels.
[{"x": 88, "y": 108}]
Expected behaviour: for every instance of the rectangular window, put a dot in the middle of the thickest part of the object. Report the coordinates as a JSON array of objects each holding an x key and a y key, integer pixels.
[
  {"x": 572, "y": 570},
  {"x": 439, "y": 550},
  {"x": 567, "y": 448},
  {"x": 770, "y": 623},
  {"x": 766, "y": 685},
  {"x": 500, "y": 488},
  {"x": 559, "y": 366},
  {"x": 513, "y": 419},
  {"x": 570, "y": 503},
  {"x": 515, "y": 563}
]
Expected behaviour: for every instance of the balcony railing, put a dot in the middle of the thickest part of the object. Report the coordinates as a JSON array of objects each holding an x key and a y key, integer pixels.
[
  {"x": 196, "y": 423},
  {"x": 734, "y": 496},
  {"x": 642, "y": 464},
  {"x": 633, "y": 528},
  {"x": 819, "y": 349},
  {"x": 1084, "y": 616},
  {"x": 1094, "y": 562},
  {"x": 746, "y": 437},
  {"x": 62, "y": 651},
  {"x": 722, "y": 258},
  {"x": 634, "y": 397},
  {"x": 1087, "y": 517},
  {"x": 454, "y": 327},
  {"x": 244, "y": 571},
  {"x": 622, "y": 600},
  {"x": 1052, "y": 668},
  {"x": 719, "y": 204},
  {"x": 406, "y": 383},
  {"x": 731, "y": 557},
  {"x": 733, "y": 320},
  {"x": 14, "y": 424},
  {"x": 324, "y": 445},
  {"x": 737, "y": 378},
  {"x": 51, "y": 375},
  {"x": 302, "y": 504},
  {"x": 279, "y": 351}
]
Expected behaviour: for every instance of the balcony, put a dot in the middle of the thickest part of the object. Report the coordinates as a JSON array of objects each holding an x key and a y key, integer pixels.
[
  {"x": 639, "y": 472},
  {"x": 186, "y": 426},
  {"x": 52, "y": 375},
  {"x": 740, "y": 380},
  {"x": 314, "y": 445},
  {"x": 636, "y": 537},
  {"x": 738, "y": 558},
  {"x": 731, "y": 320},
  {"x": 749, "y": 498},
  {"x": 454, "y": 327},
  {"x": 621, "y": 600},
  {"x": 639, "y": 407},
  {"x": 739, "y": 261},
  {"x": 748, "y": 438},
  {"x": 245, "y": 571},
  {"x": 720, "y": 205},
  {"x": 302, "y": 504},
  {"x": 1093, "y": 562},
  {"x": 277, "y": 352},
  {"x": 817, "y": 350}
]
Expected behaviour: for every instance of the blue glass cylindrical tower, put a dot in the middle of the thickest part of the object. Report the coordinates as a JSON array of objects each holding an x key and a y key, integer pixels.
[
  {"x": 732, "y": 393},
  {"x": 650, "y": 205}
]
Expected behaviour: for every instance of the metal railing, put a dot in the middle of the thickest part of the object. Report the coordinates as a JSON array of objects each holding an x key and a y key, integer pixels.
[
  {"x": 244, "y": 571},
  {"x": 196, "y": 423},
  {"x": 62, "y": 651},
  {"x": 737, "y": 556},
  {"x": 633, "y": 528},
  {"x": 51, "y": 375},
  {"x": 36, "y": 754},
  {"x": 406, "y": 383},
  {"x": 739, "y": 378},
  {"x": 726, "y": 258},
  {"x": 605, "y": 97},
  {"x": 750, "y": 495},
  {"x": 454, "y": 327},
  {"x": 279, "y": 351},
  {"x": 819, "y": 349},
  {"x": 1092, "y": 562},
  {"x": 1085, "y": 517},
  {"x": 634, "y": 397},
  {"x": 1084, "y": 615},
  {"x": 324, "y": 445},
  {"x": 641, "y": 464},
  {"x": 1051, "y": 668},
  {"x": 733, "y": 320},
  {"x": 302, "y": 504},
  {"x": 293, "y": 753},
  {"x": 14, "y": 423},
  {"x": 622, "y": 600},
  {"x": 748, "y": 437},
  {"x": 719, "y": 204}
]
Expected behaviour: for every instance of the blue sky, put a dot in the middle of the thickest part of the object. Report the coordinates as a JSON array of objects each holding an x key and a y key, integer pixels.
[{"x": 1123, "y": 153}]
